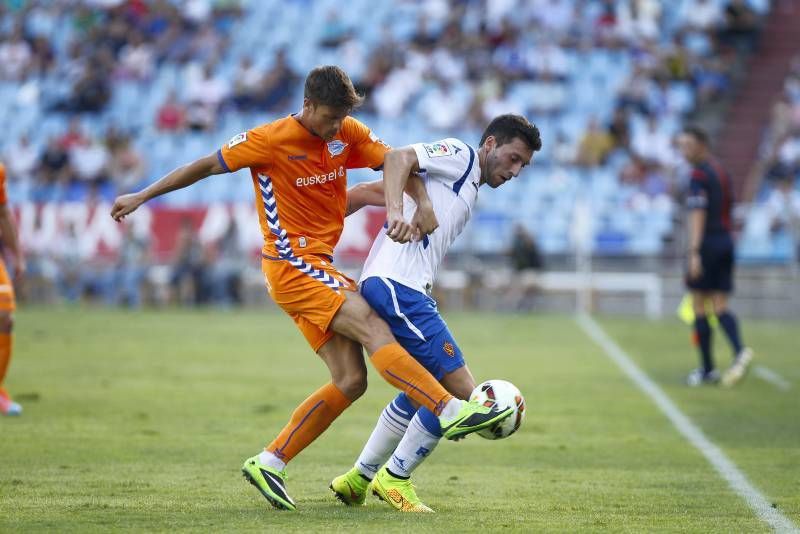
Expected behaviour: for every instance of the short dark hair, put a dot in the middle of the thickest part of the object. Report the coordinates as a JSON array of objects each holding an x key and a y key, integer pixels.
[
  {"x": 698, "y": 133},
  {"x": 330, "y": 86},
  {"x": 504, "y": 128}
]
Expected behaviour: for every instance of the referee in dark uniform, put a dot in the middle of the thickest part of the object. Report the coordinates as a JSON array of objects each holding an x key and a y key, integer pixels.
[{"x": 710, "y": 257}]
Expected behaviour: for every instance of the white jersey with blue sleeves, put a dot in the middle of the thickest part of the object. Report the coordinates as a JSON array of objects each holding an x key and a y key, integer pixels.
[{"x": 452, "y": 175}]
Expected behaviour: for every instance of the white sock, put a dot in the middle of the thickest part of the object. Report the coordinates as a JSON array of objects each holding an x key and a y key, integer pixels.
[
  {"x": 267, "y": 458},
  {"x": 451, "y": 409},
  {"x": 416, "y": 445},
  {"x": 388, "y": 432}
]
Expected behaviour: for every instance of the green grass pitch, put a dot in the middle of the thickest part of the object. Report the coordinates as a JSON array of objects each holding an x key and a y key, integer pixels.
[{"x": 141, "y": 421}]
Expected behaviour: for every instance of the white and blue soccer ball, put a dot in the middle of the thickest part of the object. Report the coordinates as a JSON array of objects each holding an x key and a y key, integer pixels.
[{"x": 503, "y": 394}]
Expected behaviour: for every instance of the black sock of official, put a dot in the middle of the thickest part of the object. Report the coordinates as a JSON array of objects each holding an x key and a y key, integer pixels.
[
  {"x": 731, "y": 327},
  {"x": 703, "y": 331},
  {"x": 395, "y": 475}
]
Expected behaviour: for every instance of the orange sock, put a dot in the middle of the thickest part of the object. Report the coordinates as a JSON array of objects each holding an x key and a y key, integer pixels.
[
  {"x": 401, "y": 370},
  {"x": 308, "y": 421},
  {"x": 5, "y": 355}
]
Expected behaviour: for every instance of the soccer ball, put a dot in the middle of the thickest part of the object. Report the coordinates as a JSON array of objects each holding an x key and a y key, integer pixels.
[{"x": 502, "y": 394}]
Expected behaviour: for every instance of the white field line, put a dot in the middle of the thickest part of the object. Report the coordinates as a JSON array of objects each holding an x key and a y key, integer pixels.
[
  {"x": 735, "y": 478},
  {"x": 768, "y": 375}
]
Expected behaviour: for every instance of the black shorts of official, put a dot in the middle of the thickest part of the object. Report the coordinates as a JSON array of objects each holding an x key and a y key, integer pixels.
[{"x": 717, "y": 258}]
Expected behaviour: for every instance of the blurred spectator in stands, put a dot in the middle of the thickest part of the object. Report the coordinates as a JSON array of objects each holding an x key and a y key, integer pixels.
[
  {"x": 555, "y": 16},
  {"x": 226, "y": 268},
  {"x": 549, "y": 96},
  {"x": 136, "y": 59},
  {"x": 334, "y": 32},
  {"x": 711, "y": 80},
  {"x": 22, "y": 159},
  {"x": 594, "y": 146},
  {"x": 510, "y": 57},
  {"x": 91, "y": 92},
  {"x": 15, "y": 56},
  {"x": 526, "y": 259},
  {"x": 44, "y": 58},
  {"x": 789, "y": 153},
  {"x": 653, "y": 144},
  {"x": 207, "y": 45},
  {"x": 496, "y": 101},
  {"x": 126, "y": 167},
  {"x": 171, "y": 116},
  {"x": 73, "y": 136},
  {"x": 564, "y": 152},
  {"x": 701, "y": 15},
  {"x": 72, "y": 253},
  {"x": 197, "y": 11},
  {"x": 656, "y": 182},
  {"x": 740, "y": 28},
  {"x": 605, "y": 25},
  {"x": 54, "y": 166},
  {"x": 783, "y": 205},
  {"x": 90, "y": 161},
  {"x": 638, "y": 20},
  {"x": 392, "y": 95},
  {"x": 188, "y": 277},
  {"x": 524, "y": 251},
  {"x": 548, "y": 60},
  {"x": 676, "y": 60},
  {"x": 634, "y": 172},
  {"x": 633, "y": 94},
  {"x": 130, "y": 270},
  {"x": 205, "y": 92},
  {"x": 445, "y": 106},
  {"x": 278, "y": 85},
  {"x": 41, "y": 275},
  {"x": 247, "y": 85},
  {"x": 783, "y": 202},
  {"x": 619, "y": 129},
  {"x": 41, "y": 19}
]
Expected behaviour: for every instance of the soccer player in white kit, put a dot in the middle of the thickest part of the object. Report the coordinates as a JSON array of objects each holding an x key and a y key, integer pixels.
[{"x": 397, "y": 280}]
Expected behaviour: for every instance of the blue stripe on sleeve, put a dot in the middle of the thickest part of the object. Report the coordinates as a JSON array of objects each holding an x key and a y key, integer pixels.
[
  {"x": 222, "y": 161},
  {"x": 460, "y": 182}
]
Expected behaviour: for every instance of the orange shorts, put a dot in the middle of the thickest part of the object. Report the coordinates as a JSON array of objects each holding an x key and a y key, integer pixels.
[
  {"x": 7, "y": 303},
  {"x": 311, "y": 290}
]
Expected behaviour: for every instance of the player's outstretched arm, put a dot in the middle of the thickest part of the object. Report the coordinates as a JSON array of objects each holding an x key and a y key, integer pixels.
[
  {"x": 373, "y": 194},
  {"x": 364, "y": 194},
  {"x": 181, "y": 177}
]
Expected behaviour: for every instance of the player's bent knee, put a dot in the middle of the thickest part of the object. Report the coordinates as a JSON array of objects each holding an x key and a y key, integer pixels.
[
  {"x": 353, "y": 385},
  {"x": 377, "y": 333}
]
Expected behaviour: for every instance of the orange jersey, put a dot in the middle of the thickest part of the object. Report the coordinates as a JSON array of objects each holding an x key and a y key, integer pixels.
[
  {"x": 300, "y": 181},
  {"x": 3, "y": 196}
]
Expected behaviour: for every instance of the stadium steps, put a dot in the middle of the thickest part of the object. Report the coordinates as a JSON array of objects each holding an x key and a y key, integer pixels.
[{"x": 750, "y": 112}]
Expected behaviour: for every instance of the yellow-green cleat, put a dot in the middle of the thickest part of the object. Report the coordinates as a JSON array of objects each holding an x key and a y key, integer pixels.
[
  {"x": 270, "y": 482},
  {"x": 399, "y": 493},
  {"x": 471, "y": 418},
  {"x": 350, "y": 488}
]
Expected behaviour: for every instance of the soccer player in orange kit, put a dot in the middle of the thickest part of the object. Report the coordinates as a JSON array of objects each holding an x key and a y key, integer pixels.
[
  {"x": 299, "y": 169},
  {"x": 7, "y": 301}
]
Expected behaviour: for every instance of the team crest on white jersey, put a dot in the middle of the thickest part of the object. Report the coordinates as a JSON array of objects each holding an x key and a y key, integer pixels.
[
  {"x": 236, "y": 139},
  {"x": 336, "y": 147},
  {"x": 437, "y": 150}
]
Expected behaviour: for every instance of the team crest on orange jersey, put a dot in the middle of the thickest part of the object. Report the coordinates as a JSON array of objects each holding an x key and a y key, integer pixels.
[
  {"x": 449, "y": 349},
  {"x": 336, "y": 147}
]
